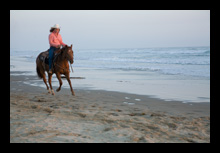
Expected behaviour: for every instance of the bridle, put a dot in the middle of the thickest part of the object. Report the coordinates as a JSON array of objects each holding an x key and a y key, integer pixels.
[{"x": 55, "y": 64}]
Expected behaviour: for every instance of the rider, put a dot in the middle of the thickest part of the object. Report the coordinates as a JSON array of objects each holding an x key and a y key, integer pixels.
[{"x": 55, "y": 41}]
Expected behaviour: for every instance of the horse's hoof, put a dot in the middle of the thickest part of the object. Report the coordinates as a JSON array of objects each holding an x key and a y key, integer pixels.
[
  {"x": 53, "y": 92},
  {"x": 58, "y": 90},
  {"x": 73, "y": 93},
  {"x": 49, "y": 91}
]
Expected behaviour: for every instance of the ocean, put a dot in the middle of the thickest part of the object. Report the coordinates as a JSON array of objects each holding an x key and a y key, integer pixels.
[
  {"x": 187, "y": 61},
  {"x": 157, "y": 72}
]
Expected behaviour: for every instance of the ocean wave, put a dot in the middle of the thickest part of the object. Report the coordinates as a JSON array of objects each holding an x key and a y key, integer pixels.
[
  {"x": 197, "y": 71},
  {"x": 151, "y": 61}
]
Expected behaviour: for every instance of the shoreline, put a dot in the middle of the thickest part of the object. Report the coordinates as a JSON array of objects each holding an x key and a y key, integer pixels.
[
  {"x": 101, "y": 116},
  {"x": 153, "y": 84}
]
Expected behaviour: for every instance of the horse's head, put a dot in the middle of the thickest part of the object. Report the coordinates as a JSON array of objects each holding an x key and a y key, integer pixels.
[{"x": 68, "y": 53}]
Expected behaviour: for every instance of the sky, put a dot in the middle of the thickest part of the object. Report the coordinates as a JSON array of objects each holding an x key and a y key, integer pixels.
[{"x": 103, "y": 29}]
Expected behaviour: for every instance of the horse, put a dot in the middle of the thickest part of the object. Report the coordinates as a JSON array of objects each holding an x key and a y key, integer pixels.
[{"x": 60, "y": 66}]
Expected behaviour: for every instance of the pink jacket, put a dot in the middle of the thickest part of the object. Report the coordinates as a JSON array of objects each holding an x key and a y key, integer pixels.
[{"x": 54, "y": 40}]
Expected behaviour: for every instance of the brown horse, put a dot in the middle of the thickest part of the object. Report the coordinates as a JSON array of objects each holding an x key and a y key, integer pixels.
[{"x": 61, "y": 66}]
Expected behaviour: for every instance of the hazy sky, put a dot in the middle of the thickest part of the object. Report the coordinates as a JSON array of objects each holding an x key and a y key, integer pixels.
[{"x": 88, "y": 29}]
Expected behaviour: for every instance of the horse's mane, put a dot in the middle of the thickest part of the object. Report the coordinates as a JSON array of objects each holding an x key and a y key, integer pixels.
[
  {"x": 60, "y": 50},
  {"x": 59, "y": 53}
]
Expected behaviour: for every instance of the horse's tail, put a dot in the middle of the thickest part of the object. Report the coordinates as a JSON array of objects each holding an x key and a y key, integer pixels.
[{"x": 40, "y": 75}]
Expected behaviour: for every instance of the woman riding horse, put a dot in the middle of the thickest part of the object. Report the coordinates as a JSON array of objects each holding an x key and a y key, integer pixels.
[
  {"x": 55, "y": 41},
  {"x": 61, "y": 65}
]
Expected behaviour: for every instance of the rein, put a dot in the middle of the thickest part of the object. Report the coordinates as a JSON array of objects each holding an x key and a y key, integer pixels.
[{"x": 71, "y": 66}]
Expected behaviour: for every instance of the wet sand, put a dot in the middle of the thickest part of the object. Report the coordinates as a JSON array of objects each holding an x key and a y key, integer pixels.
[{"x": 98, "y": 116}]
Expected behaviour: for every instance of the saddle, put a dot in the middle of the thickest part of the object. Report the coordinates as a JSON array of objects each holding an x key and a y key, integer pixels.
[{"x": 44, "y": 57}]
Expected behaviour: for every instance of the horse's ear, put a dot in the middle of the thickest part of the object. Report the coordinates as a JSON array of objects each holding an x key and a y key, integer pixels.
[
  {"x": 66, "y": 46},
  {"x": 71, "y": 46}
]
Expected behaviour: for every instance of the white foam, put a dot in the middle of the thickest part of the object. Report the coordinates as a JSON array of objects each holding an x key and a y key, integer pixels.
[{"x": 137, "y": 99}]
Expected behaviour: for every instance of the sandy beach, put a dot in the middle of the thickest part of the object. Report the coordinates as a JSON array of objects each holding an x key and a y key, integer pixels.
[{"x": 98, "y": 116}]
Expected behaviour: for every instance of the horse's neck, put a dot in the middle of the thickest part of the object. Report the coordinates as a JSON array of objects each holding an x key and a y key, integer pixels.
[{"x": 61, "y": 58}]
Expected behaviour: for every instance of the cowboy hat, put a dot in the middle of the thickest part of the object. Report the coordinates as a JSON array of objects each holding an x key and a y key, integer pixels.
[{"x": 56, "y": 26}]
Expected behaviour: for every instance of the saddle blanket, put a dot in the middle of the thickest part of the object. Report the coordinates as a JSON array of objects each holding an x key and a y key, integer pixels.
[{"x": 44, "y": 57}]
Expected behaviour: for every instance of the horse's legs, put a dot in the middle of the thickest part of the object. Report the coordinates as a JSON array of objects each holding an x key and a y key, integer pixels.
[
  {"x": 49, "y": 79},
  {"x": 68, "y": 79},
  {"x": 60, "y": 81},
  {"x": 45, "y": 81}
]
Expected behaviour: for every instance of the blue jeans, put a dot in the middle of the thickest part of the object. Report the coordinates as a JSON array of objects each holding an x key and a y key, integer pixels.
[{"x": 51, "y": 51}]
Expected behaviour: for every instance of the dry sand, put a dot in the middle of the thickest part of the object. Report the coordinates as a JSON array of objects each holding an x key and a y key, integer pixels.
[{"x": 101, "y": 116}]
